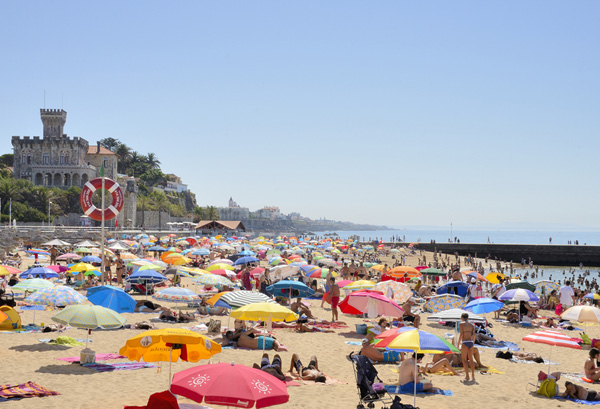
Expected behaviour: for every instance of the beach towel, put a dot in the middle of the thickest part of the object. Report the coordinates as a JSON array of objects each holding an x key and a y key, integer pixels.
[
  {"x": 577, "y": 377},
  {"x": 523, "y": 361},
  {"x": 583, "y": 402},
  {"x": 353, "y": 343},
  {"x": 510, "y": 346},
  {"x": 289, "y": 381},
  {"x": 68, "y": 341},
  {"x": 99, "y": 357},
  {"x": 395, "y": 389},
  {"x": 328, "y": 380},
  {"x": 24, "y": 390},
  {"x": 122, "y": 366}
]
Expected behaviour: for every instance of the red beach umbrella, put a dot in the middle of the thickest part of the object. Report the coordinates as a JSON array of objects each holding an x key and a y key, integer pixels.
[{"x": 230, "y": 385}]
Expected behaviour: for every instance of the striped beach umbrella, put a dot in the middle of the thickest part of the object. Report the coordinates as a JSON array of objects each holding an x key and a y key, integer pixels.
[
  {"x": 237, "y": 299},
  {"x": 32, "y": 284},
  {"x": 519, "y": 294},
  {"x": 360, "y": 285},
  {"x": 553, "y": 338}
]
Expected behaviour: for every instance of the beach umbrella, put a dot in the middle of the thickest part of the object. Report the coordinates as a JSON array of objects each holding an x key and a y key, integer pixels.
[
  {"x": 69, "y": 256},
  {"x": 484, "y": 305},
  {"x": 215, "y": 300},
  {"x": 39, "y": 272},
  {"x": 58, "y": 268},
  {"x": 245, "y": 260},
  {"x": 111, "y": 297},
  {"x": 156, "y": 248},
  {"x": 494, "y": 277},
  {"x": 592, "y": 296},
  {"x": 418, "y": 341},
  {"x": 453, "y": 287},
  {"x": 117, "y": 245},
  {"x": 474, "y": 274},
  {"x": 545, "y": 287},
  {"x": 176, "y": 294},
  {"x": 443, "y": 302},
  {"x": 432, "y": 272},
  {"x": 38, "y": 252},
  {"x": 403, "y": 272},
  {"x": 89, "y": 317},
  {"x": 327, "y": 262},
  {"x": 224, "y": 273},
  {"x": 246, "y": 253},
  {"x": 519, "y": 294},
  {"x": 237, "y": 299},
  {"x": 56, "y": 242},
  {"x": 86, "y": 243},
  {"x": 290, "y": 288},
  {"x": 376, "y": 267},
  {"x": 520, "y": 285},
  {"x": 374, "y": 304},
  {"x": 454, "y": 315},
  {"x": 10, "y": 269},
  {"x": 169, "y": 345},
  {"x": 32, "y": 284},
  {"x": 5, "y": 272},
  {"x": 213, "y": 280},
  {"x": 82, "y": 250},
  {"x": 264, "y": 311},
  {"x": 176, "y": 259},
  {"x": 200, "y": 252},
  {"x": 284, "y": 271},
  {"x": 213, "y": 384},
  {"x": 394, "y": 290},
  {"x": 360, "y": 285},
  {"x": 221, "y": 261},
  {"x": 56, "y": 297},
  {"x": 148, "y": 275},
  {"x": 582, "y": 313},
  {"x": 220, "y": 266},
  {"x": 81, "y": 267},
  {"x": 552, "y": 338},
  {"x": 91, "y": 259}
]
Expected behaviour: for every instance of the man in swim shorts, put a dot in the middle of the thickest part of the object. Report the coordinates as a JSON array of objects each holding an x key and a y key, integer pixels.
[
  {"x": 467, "y": 342},
  {"x": 334, "y": 296},
  {"x": 378, "y": 356},
  {"x": 407, "y": 377},
  {"x": 272, "y": 368},
  {"x": 308, "y": 373},
  {"x": 250, "y": 341}
]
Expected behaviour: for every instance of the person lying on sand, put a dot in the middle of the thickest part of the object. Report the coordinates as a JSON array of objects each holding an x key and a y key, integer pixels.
[
  {"x": 525, "y": 356},
  {"x": 455, "y": 359},
  {"x": 440, "y": 366},
  {"x": 307, "y": 373},
  {"x": 149, "y": 306},
  {"x": 579, "y": 392},
  {"x": 251, "y": 341},
  {"x": 301, "y": 326},
  {"x": 301, "y": 309},
  {"x": 378, "y": 356},
  {"x": 272, "y": 368}
]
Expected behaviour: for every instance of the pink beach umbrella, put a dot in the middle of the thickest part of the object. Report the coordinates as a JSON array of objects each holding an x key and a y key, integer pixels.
[
  {"x": 374, "y": 304},
  {"x": 69, "y": 256}
]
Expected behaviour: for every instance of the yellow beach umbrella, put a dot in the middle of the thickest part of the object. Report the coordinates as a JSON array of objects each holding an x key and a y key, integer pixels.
[
  {"x": 212, "y": 300},
  {"x": 493, "y": 277},
  {"x": 168, "y": 345},
  {"x": 176, "y": 259},
  {"x": 220, "y": 266},
  {"x": 360, "y": 285},
  {"x": 82, "y": 267},
  {"x": 378, "y": 267}
]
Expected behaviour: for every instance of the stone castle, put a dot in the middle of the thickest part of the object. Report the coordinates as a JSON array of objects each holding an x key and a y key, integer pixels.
[{"x": 56, "y": 160}]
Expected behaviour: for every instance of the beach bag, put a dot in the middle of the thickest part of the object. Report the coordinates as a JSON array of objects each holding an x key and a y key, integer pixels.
[
  {"x": 548, "y": 388},
  {"x": 585, "y": 338},
  {"x": 558, "y": 310}
]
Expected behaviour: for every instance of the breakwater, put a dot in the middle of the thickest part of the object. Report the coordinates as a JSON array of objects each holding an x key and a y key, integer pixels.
[{"x": 540, "y": 254}]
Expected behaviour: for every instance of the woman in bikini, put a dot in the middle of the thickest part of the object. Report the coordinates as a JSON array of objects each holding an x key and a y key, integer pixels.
[
  {"x": 579, "y": 392},
  {"x": 590, "y": 367},
  {"x": 467, "y": 342}
]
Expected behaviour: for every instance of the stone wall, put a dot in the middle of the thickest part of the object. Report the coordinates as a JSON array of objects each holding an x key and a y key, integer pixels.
[{"x": 150, "y": 219}]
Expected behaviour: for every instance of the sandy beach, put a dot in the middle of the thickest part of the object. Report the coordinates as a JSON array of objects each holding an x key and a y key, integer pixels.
[{"x": 23, "y": 358}]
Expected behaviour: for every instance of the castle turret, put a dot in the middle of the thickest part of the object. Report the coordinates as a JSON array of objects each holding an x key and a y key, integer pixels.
[{"x": 54, "y": 122}]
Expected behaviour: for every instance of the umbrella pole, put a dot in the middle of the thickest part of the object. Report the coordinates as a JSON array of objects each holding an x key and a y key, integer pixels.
[
  {"x": 170, "y": 363},
  {"x": 415, "y": 381}
]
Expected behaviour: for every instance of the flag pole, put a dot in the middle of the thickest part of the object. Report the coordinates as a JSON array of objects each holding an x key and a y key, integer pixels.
[{"x": 103, "y": 272}]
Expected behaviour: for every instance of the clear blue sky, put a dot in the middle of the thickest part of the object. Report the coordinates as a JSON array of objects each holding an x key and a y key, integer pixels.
[{"x": 390, "y": 112}]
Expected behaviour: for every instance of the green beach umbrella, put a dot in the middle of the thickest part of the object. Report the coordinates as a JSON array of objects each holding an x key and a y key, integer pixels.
[
  {"x": 32, "y": 284},
  {"x": 89, "y": 317}
]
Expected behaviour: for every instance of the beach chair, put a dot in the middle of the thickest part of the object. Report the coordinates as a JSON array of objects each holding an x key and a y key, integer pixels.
[{"x": 365, "y": 374}]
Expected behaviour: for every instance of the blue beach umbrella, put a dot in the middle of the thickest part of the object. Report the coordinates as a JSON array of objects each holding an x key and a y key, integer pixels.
[
  {"x": 91, "y": 259},
  {"x": 39, "y": 272},
  {"x": 290, "y": 288},
  {"x": 156, "y": 248},
  {"x": 201, "y": 252},
  {"x": 113, "y": 298},
  {"x": 150, "y": 276},
  {"x": 484, "y": 305},
  {"x": 245, "y": 260},
  {"x": 454, "y": 287}
]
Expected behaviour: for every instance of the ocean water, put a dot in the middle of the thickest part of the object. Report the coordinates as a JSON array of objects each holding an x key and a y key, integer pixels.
[{"x": 476, "y": 236}]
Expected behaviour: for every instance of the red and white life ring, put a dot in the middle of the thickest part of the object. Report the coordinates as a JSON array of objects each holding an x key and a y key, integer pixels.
[{"x": 88, "y": 206}]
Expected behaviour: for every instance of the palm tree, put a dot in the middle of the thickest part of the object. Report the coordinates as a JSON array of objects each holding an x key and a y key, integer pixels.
[
  {"x": 142, "y": 202},
  {"x": 198, "y": 213},
  {"x": 8, "y": 190},
  {"x": 124, "y": 153},
  {"x": 161, "y": 203},
  {"x": 152, "y": 160},
  {"x": 212, "y": 213}
]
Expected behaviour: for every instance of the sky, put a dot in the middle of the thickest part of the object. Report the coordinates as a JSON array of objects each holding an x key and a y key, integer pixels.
[{"x": 396, "y": 113}]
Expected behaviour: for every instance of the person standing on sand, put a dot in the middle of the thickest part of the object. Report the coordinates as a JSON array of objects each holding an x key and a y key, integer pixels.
[
  {"x": 466, "y": 341},
  {"x": 334, "y": 298},
  {"x": 53, "y": 254},
  {"x": 566, "y": 295}
]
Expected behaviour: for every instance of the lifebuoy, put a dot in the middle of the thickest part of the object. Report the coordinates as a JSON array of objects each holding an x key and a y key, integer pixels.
[{"x": 88, "y": 206}]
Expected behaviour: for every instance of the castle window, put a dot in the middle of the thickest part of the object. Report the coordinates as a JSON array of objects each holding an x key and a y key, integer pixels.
[
  {"x": 67, "y": 158},
  {"x": 29, "y": 159},
  {"x": 46, "y": 159},
  {"x": 23, "y": 159},
  {"x": 105, "y": 163},
  {"x": 62, "y": 158}
]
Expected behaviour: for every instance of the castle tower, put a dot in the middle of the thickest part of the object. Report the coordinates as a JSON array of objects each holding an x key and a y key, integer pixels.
[{"x": 54, "y": 122}]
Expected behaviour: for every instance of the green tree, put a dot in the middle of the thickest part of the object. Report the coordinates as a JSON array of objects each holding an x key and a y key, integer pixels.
[
  {"x": 152, "y": 161},
  {"x": 212, "y": 213},
  {"x": 198, "y": 214},
  {"x": 142, "y": 204},
  {"x": 110, "y": 143},
  {"x": 7, "y": 160},
  {"x": 153, "y": 177},
  {"x": 160, "y": 202},
  {"x": 124, "y": 153},
  {"x": 9, "y": 190}
]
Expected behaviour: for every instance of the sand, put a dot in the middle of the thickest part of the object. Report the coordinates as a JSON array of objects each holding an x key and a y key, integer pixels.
[{"x": 23, "y": 358}]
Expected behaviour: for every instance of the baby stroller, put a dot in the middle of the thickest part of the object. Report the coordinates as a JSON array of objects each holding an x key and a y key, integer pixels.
[{"x": 366, "y": 375}]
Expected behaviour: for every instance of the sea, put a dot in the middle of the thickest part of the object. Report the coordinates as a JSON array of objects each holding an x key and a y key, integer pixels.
[
  {"x": 491, "y": 236},
  {"x": 475, "y": 236}
]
